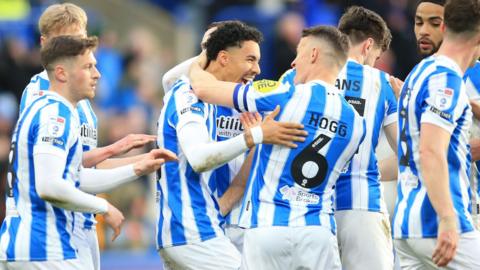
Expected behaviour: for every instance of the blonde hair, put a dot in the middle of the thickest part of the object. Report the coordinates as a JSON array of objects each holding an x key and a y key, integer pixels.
[{"x": 59, "y": 16}]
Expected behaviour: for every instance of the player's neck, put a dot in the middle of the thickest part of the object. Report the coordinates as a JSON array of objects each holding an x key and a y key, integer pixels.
[
  {"x": 328, "y": 75},
  {"x": 62, "y": 90},
  {"x": 459, "y": 52},
  {"x": 355, "y": 53}
]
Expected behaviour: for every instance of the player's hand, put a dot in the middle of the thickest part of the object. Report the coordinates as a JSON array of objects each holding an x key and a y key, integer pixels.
[
  {"x": 114, "y": 218},
  {"x": 397, "y": 85},
  {"x": 250, "y": 120},
  {"x": 447, "y": 240},
  {"x": 475, "y": 108},
  {"x": 130, "y": 142},
  {"x": 152, "y": 161},
  {"x": 282, "y": 133},
  {"x": 202, "y": 59}
]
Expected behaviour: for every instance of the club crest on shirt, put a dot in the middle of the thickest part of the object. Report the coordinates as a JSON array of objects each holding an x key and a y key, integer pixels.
[
  {"x": 443, "y": 98},
  {"x": 56, "y": 126}
]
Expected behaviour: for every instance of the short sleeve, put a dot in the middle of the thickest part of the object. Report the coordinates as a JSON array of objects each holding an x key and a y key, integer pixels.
[
  {"x": 54, "y": 132},
  {"x": 261, "y": 96},
  {"x": 442, "y": 104},
  {"x": 188, "y": 108},
  {"x": 390, "y": 100}
]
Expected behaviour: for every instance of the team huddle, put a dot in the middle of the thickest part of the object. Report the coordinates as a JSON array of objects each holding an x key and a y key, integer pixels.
[{"x": 268, "y": 174}]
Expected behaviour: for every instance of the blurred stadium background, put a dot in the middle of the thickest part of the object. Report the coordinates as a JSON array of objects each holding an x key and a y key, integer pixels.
[{"x": 142, "y": 39}]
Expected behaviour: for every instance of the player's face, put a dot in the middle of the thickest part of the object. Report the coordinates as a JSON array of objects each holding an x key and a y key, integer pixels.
[
  {"x": 300, "y": 63},
  {"x": 72, "y": 30},
  {"x": 373, "y": 55},
  {"x": 83, "y": 76},
  {"x": 242, "y": 65},
  {"x": 429, "y": 28}
]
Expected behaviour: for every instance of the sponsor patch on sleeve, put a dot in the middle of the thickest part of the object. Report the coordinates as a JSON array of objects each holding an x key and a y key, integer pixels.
[
  {"x": 265, "y": 86},
  {"x": 444, "y": 98},
  {"x": 56, "y": 126}
]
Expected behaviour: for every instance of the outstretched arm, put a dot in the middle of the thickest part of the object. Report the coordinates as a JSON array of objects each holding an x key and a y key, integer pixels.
[
  {"x": 98, "y": 181},
  {"x": 94, "y": 157},
  {"x": 204, "y": 154}
]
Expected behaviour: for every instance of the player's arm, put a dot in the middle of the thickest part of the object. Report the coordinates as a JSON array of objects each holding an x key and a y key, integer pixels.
[
  {"x": 475, "y": 108},
  {"x": 434, "y": 143},
  {"x": 475, "y": 148},
  {"x": 98, "y": 180},
  {"x": 96, "y": 156},
  {"x": 172, "y": 75},
  {"x": 203, "y": 154},
  {"x": 208, "y": 88},
  {"x": 235, "y": 190},
  {"x": 438, "y": 122},
  {"x": 388, "y": 167}
]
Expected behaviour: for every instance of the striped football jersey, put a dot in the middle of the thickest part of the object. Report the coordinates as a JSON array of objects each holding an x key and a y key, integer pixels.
[
  {"x": 367, "y": 89},
  {"x": 433, "y": 93}
]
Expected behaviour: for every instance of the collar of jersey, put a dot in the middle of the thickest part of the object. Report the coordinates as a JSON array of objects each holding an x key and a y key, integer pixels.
[
  {"x": 60, "y": 98},
  {"x": 450, "y": 63}
]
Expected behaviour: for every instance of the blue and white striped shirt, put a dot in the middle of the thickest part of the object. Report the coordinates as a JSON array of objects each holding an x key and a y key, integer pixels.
[
  {"x": 38, "y": 86},
  {"x": 187, "y": 208},
  {"x": 35, "y": 230},
  {"x": 228, "y": 125},
  {"x": 472, "y": 83},
  {"x": 367, "y": 89},
  {"x": 433, "y": 93},
  {"x": 295, "y": 187}
]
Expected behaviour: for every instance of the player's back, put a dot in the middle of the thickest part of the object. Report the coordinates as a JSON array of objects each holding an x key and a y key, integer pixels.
[
  {"x": 35, "y": 229},
  {"x": 368, "y": 91},
  {"x": 188, "y": 211},
  {"x": 294, "y": 187},
  {"x": 433, "y": 93}
]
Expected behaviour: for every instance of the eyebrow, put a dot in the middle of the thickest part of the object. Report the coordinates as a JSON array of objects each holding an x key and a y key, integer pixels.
[{"x": 429, "y": 18}]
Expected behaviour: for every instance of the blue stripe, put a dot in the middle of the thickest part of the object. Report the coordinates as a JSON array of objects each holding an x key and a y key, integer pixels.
[
  {"x": 235, "y": 97},
  {"x": 245, "y": 98},
  {"x": 61, "y": 224},
  {"x": 12, "y": 232},
  {"x": 198, "y": 204},
  {"x": 262, "y": 152},
  {"x": 38, "y": 238}
]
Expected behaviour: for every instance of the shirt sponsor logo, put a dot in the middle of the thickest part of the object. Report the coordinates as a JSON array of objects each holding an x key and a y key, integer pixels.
[
  {"x": 294, "y": 194},
  {"x": 190, "y": 109},
  {"x": 229, "y": 126},
  {"x": 89, "y": 135}
]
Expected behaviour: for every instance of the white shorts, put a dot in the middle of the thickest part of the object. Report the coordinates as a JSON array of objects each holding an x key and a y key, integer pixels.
[
  {"x": 364, "y": 240},
  {"x": 308, "y": 247},
  {"x": 235, "y": 234},
  {"x": 74, "y": 264},
  {"x": 86, "y": 242},
  {"x": 417, "y": 253},
  {"x": 216, "y": 253}
]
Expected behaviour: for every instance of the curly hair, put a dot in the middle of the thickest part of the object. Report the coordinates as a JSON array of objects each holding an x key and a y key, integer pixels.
[{"x": 230, "y": 34}]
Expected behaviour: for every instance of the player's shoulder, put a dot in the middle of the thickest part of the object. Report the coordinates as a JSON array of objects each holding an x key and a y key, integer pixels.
[{"x": 473, "y": 72}]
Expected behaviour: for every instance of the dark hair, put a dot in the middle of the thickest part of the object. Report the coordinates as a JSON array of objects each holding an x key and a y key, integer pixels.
[
  {"x": 219, "y": 23},
  {"x": 462, "y": 16},
  {"x": 62, "y": 47},
  {"x": 436, "y": 2},
  {"x": 337, "y": 41},
  {"x": 230, "y": 34},
  {"x": 360, "y": 23}
]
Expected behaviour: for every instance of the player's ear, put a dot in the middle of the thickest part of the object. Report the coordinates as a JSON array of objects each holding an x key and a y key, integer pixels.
[
  {"x": 368, "y": 45},
  {"x": 222, "y": 57},
  {"x": 314, "y": 54},
  {"x": 60, "y": 73}
]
